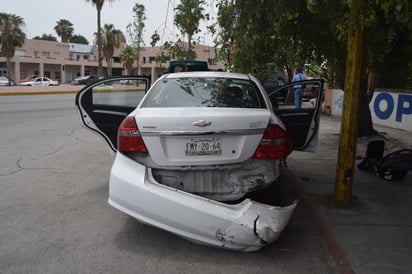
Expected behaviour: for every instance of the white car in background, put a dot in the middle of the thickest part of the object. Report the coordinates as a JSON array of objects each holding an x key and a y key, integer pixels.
[
  {"x": 40, "y": 81},
  {"x": 6, "y": 81},
  {"x": 200, "y": 155}
]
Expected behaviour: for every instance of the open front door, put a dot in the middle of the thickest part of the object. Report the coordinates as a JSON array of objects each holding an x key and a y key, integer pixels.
[
  {"x": 103, "y": 105},
  {"x": 302, "y": 124}
]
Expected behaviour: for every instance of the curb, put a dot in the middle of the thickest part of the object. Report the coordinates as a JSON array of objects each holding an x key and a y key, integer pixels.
[
  {"x": 23, "y": 93},
  {"x": 335, "y": 250}
]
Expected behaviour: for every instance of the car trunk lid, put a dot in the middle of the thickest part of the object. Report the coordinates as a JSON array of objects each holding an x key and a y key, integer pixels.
[{"x": 201, "y": 136}]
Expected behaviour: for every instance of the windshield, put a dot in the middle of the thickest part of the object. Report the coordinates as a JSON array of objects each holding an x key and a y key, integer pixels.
[{"x": 204, "y": 92}]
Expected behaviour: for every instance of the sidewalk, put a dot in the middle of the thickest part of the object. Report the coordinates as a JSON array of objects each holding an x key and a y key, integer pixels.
[{"x": 373, "y": 231}]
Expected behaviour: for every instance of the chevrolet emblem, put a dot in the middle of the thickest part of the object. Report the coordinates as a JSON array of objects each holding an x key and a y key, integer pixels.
[{"x": 202, "y": 123}]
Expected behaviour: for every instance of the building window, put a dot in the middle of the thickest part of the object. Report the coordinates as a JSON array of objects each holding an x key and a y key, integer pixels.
[
  {"x": 45, "y": 54},
  {"x": 211, "y": 61},
  {"x": 20, "y": 53}
]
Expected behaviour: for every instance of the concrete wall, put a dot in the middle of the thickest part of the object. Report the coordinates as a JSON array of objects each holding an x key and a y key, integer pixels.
[{"x": 390, "y": 109}]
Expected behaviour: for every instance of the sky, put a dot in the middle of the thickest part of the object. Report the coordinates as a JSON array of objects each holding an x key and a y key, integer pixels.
[{"x": 41, "y": 16}]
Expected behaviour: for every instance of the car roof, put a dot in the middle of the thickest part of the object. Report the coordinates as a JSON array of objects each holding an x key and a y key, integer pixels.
[{"x": 219, "y": 74}]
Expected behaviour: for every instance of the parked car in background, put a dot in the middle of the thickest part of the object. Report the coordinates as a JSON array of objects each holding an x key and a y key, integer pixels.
[
  {"x": 28, "y": 78},
  {"x": 274, "y": 81},
  {"x": 181, "y": 66},
  {"x": 40, "y": 81},
  {"x": 6, "y": 81},
  {"x": 201, "y": 154},
  {"x": 85, "y": 80}
]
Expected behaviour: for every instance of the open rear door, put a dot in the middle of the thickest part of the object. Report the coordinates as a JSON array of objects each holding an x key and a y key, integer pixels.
[
  {"x": 302, "y": 124},
  {"x": 103, "y": 105}
]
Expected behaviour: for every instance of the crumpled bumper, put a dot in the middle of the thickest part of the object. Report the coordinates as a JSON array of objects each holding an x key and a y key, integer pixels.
[{"x": 246, "y": 226}]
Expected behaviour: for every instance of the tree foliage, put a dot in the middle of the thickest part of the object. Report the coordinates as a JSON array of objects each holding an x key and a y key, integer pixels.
[
  {"x": 111, "y": 38},
  {"x": 11, "y": 36},
  {"x": 64, "y": 29},
  {"x": 79, "y": 39},
  {"x": 253, "y": 36},
  {"x": 46, "y": 37},
  {"x": 187, "y": 18},
  {"x": 188, "y": 15},
  {"x": 136, "y": 28},
  {"x": 386, "y": 25},
  {"x": 177, "y": 51},
  {"x": 128, "y": 56},
  {"x": 99, "y": 5}
]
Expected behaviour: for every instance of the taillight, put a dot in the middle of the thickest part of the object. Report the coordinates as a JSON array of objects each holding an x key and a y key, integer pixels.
[
  {"x": 275, "y": 144},
  {"x": 129, "y": 138}
]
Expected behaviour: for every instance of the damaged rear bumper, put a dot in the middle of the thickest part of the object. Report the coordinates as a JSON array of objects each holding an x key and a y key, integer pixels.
[{"x": 246, "y": 226}]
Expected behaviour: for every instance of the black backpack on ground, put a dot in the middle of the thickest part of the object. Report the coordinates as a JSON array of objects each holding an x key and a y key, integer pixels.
[{"x": 394, "y": 166}]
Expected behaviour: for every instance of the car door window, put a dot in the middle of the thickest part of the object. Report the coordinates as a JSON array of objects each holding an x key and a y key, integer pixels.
[
  {"x": 302, "y": 124},
  {"x": 126, "y": 93},
  {"x": 284, "y": 97},
  {"x": 104, "y": 104}
]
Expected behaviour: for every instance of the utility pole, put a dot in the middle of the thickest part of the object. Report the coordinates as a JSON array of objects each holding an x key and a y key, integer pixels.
[{"x": 350, "y": 116}]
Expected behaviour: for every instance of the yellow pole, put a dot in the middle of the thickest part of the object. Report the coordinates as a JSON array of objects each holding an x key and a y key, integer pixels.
[{"x": 349, "y": 124}]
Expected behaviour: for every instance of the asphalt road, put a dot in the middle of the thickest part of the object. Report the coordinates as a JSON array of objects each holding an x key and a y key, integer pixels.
[{"x": 55, "y": 217}]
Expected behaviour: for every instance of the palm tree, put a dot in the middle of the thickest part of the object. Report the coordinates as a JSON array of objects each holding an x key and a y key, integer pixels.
[
  {"x": 128, "y": 56},
  {"x": 11, "y": 36},
  {"x": 64, "y": 29},
  {"x": 99, "y": 5},
  {"x": 187, "y": 17},
  {"x": 111, "y": 39}
]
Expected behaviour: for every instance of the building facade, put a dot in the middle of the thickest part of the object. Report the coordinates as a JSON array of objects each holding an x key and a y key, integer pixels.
[{"x": 67, "y": 61}]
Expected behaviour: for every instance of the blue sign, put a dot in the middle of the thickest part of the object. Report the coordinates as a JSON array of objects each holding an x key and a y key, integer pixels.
[{"x": 403, "y": 107}]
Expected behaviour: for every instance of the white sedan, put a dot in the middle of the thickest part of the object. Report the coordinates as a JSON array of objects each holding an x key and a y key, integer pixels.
[
  {"x": 40, "y": 81},
  {"x": 196, "y": 155}
]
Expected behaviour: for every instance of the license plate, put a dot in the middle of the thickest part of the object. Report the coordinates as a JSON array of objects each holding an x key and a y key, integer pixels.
[{"x": 203, "y": 146}]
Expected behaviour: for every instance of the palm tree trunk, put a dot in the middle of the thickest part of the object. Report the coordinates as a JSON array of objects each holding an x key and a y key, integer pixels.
[
  {"x": 189, "y": 52},
  {"x": 99, "y": 44},
  {"x": 109, "y": 67},
  {"x": 8, "y": 61}
]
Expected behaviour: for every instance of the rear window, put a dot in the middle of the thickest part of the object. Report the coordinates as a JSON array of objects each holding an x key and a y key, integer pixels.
[{"x": 205, "y": 92}]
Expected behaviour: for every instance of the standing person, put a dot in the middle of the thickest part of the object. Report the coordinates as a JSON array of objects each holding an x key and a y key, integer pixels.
[{"x": 298, "y": 89}]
